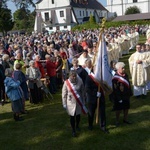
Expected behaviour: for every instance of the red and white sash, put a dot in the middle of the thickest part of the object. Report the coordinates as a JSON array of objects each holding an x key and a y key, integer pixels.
[
  {"x": 97, "y": 82},
  {"x": 93, "y": 78},
  {"x": 122, "y": 80},
  {"x": 76, "y": 96}
]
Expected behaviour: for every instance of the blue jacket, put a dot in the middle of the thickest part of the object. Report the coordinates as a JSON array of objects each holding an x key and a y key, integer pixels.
[{"x": 12, "y": 89}]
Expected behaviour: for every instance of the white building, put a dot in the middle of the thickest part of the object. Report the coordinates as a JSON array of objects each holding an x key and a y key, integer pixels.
[
  {"x": 120, "y": 6},
  {"x": 55, "y": 15}
]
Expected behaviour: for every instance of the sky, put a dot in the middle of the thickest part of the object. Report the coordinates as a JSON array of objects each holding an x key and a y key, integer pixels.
[{"x": 13, "y": 7}]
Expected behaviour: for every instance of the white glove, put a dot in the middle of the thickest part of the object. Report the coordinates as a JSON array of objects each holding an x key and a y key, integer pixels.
[
  {"x": 98, "y": 94},
  {"x": 64, "y": 106},
  {"x": 120, "y": 101}
]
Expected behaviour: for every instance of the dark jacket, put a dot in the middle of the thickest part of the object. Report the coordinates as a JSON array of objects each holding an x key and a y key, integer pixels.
[
  {"x": 91, "y": 88},
  {"x": 82, "y": 73},
  {"x": 2, "y": 74},
  {"x": 5, "y": 64},
  {"x": 20, "y": 76},
  {"x": 120, "y": 90}
]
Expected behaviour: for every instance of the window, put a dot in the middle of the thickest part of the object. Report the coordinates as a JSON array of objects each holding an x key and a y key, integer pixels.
[
  {"x": 80, "y": 13},
  {"x": 100, "y": 14},
  {"x": 61, "y": 13},
  {"x": 46, "y": 16},
  {"x": 134, "y": 1},
  {"x": 51, "y": 28},
  {"x": 65, "y": 27},
  {"x": 83, "y": 13},
  {"x": 52, "y": 1},
  {"x": 86, "y": 13}
]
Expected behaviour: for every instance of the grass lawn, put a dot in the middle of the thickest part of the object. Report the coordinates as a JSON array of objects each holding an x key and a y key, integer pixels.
[{"x": 47, "y": 127}]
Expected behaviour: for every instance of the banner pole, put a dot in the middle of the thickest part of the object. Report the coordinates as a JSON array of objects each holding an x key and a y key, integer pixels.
[{"x": 98, "y": 99}]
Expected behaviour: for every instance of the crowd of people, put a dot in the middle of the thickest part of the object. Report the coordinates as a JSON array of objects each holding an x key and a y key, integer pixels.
[{"x": 67, "y": 59}]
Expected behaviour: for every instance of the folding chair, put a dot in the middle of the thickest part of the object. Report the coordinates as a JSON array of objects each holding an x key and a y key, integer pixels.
[{"x": 45, "y": 89}]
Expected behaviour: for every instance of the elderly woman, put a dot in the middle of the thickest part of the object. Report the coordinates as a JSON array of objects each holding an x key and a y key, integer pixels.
[
  {"x": 59, "y": 65},
  {"x": 79, "y": 69},
  {"x": 73, "y": 99},
  {"x": 6, "y": 61},
  {"x": 34, "y": 83},
  {"x": 121, "y": 92},
  {"x": 14, "y": 93},
  {"x": 88, "y": 66},
  {"x": 39, "y": 65},
  {"x": 5, "y": 64},
  {"x": 27, "y": 59},
  {"x": 18, "y": 75}
]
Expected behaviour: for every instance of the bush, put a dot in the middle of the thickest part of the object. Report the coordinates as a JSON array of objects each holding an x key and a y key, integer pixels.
[
  {"x": 130, "y": 23},
  {"x": 132, "y": 10}
]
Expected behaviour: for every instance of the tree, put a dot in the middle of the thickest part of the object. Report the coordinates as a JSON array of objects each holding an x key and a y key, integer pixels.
[
  {"x": 24, "y": 3},
  {"x": 31, "y": 21},
  {"x": 3, "y": 3},
  {"x": 21, "y": 17},
  {"x": 6, "y": 23},
  {"x": 92, "y": 20},
  {"x": 132, "y": 10}
]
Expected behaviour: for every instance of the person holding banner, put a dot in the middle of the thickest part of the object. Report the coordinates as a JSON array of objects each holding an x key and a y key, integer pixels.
[
  {"x": 73, "y": 96},
  {"x": 92, "y": 93},
  {"x": 121, "y": 93}
]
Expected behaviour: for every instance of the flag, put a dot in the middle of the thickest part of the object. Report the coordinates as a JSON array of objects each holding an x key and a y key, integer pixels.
[{"x": 102, "y": 68}]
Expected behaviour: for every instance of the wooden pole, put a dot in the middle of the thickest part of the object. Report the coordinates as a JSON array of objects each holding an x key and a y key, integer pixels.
[
  {"x": 98, "y": 99},
  {"x": 98, "y": 104}
]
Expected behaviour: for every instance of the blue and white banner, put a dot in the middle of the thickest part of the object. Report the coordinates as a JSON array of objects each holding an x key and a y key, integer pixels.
[{"x": 102, "y": 68}]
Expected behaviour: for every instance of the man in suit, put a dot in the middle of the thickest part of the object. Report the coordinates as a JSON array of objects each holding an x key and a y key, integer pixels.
[{"x": 92, "y": 95}]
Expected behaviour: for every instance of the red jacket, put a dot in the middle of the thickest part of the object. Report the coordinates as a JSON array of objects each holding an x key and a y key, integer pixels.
[
  {"x": 41, "y": 68},
  {"x": 51, "y": 68}
]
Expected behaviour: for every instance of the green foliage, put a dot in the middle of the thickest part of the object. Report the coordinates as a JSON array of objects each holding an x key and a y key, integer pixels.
[
  {"x": 115, "y": 14},
  {"x": 93, "y": 25},
  {"x": 3, "y": 3},
  {"x": 23, "y": 19},
  {"x": 131, "y": 23},
  {"x": 23, "y": 3},
  {"x": 92, "y": 20},
  {"x": 132, "y": 10},
  {"x": 6, "y": 22},
  {"x": 31, "y": 21}
]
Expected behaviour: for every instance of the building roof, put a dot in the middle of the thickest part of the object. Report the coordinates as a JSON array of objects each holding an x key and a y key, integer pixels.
[
  {"x": 91, "y": 4},
  {"x": 140, "y": 16},
  {"x": 38, "y": 1}
]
